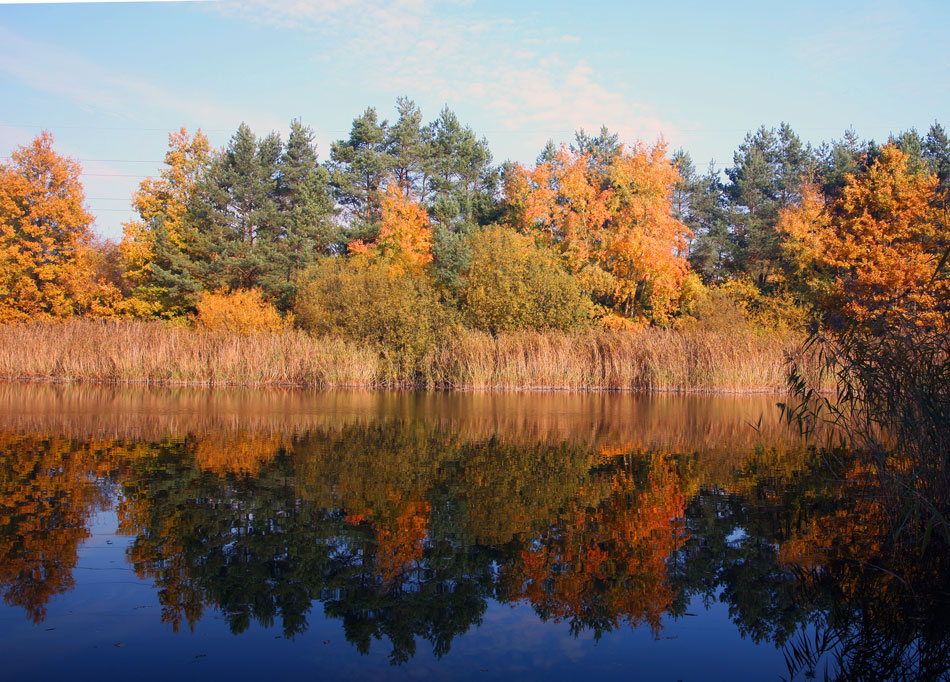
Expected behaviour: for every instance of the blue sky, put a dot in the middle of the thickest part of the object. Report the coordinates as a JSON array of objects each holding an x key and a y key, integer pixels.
[{"x": 110, "y": 80}]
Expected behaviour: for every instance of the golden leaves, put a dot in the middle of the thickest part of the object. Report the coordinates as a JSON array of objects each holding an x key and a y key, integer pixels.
[
  {"x": 614, "y": 220},
  {"x": 873, "y": 251}
]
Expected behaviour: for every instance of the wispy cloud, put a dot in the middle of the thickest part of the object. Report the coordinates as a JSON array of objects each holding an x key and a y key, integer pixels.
[
  {"x": 108, "y": 91},
  {"x": 539, "y": 82}
]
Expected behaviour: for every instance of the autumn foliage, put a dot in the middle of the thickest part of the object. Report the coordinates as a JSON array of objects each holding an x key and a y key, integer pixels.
[
  {"x": 616, "y": 551},
  {"x": 611, "y": 221},
  {"x": 162, "y": 204},
  {"x": 405, "y": 239},
  {"x": 47, "y": 264},
  {"x": 874, "y": 251},
  {"x": 239, "y": 312}
]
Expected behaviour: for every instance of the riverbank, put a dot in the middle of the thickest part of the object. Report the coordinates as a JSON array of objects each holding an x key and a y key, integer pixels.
[{"x": 651, "y": 359}]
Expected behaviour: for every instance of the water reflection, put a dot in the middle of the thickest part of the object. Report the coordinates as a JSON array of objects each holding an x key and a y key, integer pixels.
[{"x": 405, "y": 516}]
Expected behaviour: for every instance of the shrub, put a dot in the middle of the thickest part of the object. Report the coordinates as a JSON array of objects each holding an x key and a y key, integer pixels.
[
  {"x": 239, "y": 312},
  {"x": 396, "y": 310},
  {"x": 741, "y": 303},
  {"x": 514, "y": 284}
]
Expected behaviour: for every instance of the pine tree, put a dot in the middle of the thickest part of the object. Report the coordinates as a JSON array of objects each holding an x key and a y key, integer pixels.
[
  {"x": 462, "y": 180},
  {"x": 237, "y": 206},
  {"x": 358, "y": 168},
  {"x": 936, "y": 153},
  {"x": 305, "y": 227},
  {"x": 407, "y": 145}
]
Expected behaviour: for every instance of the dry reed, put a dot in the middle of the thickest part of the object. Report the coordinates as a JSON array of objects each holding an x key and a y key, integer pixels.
[{"x": 156, "y": 353}]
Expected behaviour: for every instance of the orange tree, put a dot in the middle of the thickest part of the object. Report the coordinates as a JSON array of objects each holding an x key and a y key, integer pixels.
[
  {"x": 611, "y": 219},
  {"x": 47, "y": 263},
  {"x": 405, "y": 238},
  {"x": 875, "y": 251}
]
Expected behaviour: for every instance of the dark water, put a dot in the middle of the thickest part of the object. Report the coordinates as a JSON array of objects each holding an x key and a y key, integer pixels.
[{"x": 161, "y": 533}]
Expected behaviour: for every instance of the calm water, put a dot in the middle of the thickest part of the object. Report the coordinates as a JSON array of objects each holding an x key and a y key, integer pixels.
[{"x": 189, "y": 533}]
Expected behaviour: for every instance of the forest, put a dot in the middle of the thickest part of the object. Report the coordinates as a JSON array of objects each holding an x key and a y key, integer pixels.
[{"x": 409, "y": 247}]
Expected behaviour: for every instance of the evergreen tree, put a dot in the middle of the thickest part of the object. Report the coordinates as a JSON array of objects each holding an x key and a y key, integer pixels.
[
  {"x": 237, "y": 208},
  {"x": 548, "y": 154},
  {"x": 407, "y": 144},
  {"x": 358, "y": 168},
  {"x": 936, "y": 152},
  {"x": 843, "y": 157},
  {"x": 912, "y": 144},
  {"x": 305, "y": 227},
  {"x": 698, "y": 204},
  {"x": 601, "y": 149},
  {"x": 462, "y": 180},
  {"x": 178, "y": 268},
  {"x": 770, "y": 168}
]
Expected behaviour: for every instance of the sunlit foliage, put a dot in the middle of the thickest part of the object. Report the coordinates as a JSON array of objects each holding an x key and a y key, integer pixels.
[
  {"x": 369, "y": 300},
  {"x": 612, "y": 221},
  {"x": 513, "y": 284},
  {"x": 874, "y": 251},
  {"x": 163, "y": 204},
  {"x": 239, "y": 312},
  {"x": 47, "y": 259}
]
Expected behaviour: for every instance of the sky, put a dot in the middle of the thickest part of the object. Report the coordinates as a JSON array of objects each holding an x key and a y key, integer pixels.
[{"x": 110, "y": 80}]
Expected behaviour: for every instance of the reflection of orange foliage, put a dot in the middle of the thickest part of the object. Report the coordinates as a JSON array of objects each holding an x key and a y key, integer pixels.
[
  {"x": 401, "y": 544},
  {"x": 399, "y": 541},
  {"x": 609, "y": 562},
  {"x": 853, "y": 533},
  {"x": 240, "y": 452},
  {"x": 47, "y": 494}
]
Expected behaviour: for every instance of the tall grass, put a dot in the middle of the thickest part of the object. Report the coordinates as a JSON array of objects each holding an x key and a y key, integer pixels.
[
  {"x": 154, "y": 353},
  {"x": 651, "y": 359}
]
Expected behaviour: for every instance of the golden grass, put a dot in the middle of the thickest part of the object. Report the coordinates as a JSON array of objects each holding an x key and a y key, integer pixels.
[
  {"x": 155, "y": 353},
  {"x": 650, "y": 359}
]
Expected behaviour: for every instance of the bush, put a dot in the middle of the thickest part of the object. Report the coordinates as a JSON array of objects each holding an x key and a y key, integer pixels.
[
  {"x": 239, "y": 312},
  {"x": 514, "y": 284},
  {"x": 398, "y": 311},
  {"x": 741, "y": 303}
]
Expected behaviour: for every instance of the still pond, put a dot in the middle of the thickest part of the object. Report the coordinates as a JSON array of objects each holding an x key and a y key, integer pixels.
[{"x": 195, "y": 534}]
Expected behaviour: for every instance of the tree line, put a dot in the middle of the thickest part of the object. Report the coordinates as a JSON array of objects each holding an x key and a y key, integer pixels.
[{"x": 409, "y": 228}]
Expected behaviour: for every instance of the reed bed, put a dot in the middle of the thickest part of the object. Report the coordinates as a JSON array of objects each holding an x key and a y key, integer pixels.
[
  {"x": 647, "y": 360},
  {"x": 156, "y": 353}
]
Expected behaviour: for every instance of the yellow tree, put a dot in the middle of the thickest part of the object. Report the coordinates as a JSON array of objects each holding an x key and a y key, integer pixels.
[
  {"x": 405, "y": 239},
  {"x": 47, "y": 266},
  {"x": 874, "y": 252},
  {"x": 612, "y": 221},
  {"x": 162, "y": 201}
]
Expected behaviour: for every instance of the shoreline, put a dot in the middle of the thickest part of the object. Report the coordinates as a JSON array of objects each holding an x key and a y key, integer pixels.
[{"x": 401, "y": 388}]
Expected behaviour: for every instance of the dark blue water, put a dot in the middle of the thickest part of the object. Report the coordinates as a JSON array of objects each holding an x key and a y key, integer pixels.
[{"x": 159, "y": 535}]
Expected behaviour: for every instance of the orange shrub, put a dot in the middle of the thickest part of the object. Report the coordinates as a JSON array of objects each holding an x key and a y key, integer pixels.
[{"x": 239, "y": 312}]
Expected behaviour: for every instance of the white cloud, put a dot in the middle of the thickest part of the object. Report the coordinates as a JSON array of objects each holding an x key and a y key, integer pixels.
[{"x": 444, "y": 50}]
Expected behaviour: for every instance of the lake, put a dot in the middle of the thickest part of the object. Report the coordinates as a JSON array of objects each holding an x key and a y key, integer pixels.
[{"x": 187, "y": 533}]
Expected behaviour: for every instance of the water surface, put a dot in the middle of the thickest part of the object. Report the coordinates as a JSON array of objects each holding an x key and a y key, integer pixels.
[{"x": 368, "y": 535}]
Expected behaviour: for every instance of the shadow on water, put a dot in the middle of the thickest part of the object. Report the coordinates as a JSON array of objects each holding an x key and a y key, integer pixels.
[{"x": 405, "y": 516}]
